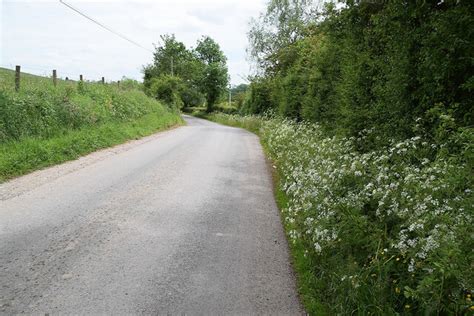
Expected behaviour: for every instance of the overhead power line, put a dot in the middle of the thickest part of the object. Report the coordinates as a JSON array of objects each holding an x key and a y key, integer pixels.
[{"x": 105, "y": 27}]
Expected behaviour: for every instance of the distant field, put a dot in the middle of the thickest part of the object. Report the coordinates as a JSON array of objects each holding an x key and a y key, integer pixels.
[{"x": 42, "y": 124}]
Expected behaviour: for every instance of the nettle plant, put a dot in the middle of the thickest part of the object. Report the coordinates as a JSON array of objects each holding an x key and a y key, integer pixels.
[{"x": 389, "y": 231}]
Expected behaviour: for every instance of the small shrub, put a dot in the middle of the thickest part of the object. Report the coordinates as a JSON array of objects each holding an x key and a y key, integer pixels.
[{"x": 167, "y": 89}]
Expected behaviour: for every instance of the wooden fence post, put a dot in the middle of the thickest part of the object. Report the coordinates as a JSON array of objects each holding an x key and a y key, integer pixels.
[
  {"x": 103, "y": 80},
  {"x": 54, "y": 77},
  {"x": 17, "y": 78},
  {"x": 80, "y": 77}
]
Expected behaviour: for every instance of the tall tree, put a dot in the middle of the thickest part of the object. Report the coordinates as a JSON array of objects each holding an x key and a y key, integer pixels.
[
  {"x": 173, "y": 58},
  {"x": 215, "y": 74},
  {"x": 281, "y": 25},
  {"x": 173, "y": 63}
]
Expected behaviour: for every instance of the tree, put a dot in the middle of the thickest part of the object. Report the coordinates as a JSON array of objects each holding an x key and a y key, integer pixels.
[
  {"x": 173, "y": 59},
  {"x": 241, "y": 88},
  {"x": 281, "y": 25},
  {"x": 214, "y": 75},
  {"x": 201, "y": 72}
]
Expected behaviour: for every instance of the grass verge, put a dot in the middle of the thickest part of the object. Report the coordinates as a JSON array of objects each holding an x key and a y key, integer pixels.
[
  {"x": 33, "y": 153},
  {"x": 306, "y": 280},
  {"x": 383, "y": 232}
]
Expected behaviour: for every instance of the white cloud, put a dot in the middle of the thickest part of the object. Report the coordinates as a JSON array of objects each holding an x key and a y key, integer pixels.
[{"x": 42, "y": 35}]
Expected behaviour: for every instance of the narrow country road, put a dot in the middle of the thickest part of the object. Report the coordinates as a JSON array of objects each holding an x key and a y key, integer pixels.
[{"x": 180, "y": 222}]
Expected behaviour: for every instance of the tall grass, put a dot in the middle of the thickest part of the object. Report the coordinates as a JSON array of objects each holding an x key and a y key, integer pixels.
[{"x": 70, "y": 119}]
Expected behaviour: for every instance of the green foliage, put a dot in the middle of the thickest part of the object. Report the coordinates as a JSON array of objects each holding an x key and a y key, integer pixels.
[
  {"x": 41, "y": 124},
  {"x": 368, "y": 65},
  {"x": 238, "y": 99},
  {"x": 191, "y": 97},
  {"x": 174, "y": 59},
  {"x": 241, "y": 88},
  {"x": 167, "y": 88},
  {"x": 249, "y": 122},
  {"x": 130, "y": 84},
  {"x": 202, "y": 72},
  {"x": 282, "y": 24},
  {"x": 385, "y": 232},
  {"x": 215, "y": 77},
  {"x": 32, "y": 153},
  {"x": 44, "y": 111},
  {"x": 239, "y": 93},
  {"x": 377, "y": 190},
  {"x": 258, "y": 99}
]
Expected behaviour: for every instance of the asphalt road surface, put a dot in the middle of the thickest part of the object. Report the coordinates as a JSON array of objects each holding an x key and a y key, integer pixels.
[{"x": 181, "y": 222}]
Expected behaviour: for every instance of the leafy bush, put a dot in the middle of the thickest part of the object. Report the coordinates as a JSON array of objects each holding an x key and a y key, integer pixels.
[
  {"x": 191, "y": 97},
  {"x": 130, "y": 84},
  {"x": 167, "y": 88},
  {"x": 258, "y": 98},
  {"x": 386, "y": 232}
]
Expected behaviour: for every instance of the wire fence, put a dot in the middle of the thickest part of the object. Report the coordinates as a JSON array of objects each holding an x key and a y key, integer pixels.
[
  {"x": 40, "y": 71},
  {"x": 47, "y": 73}
]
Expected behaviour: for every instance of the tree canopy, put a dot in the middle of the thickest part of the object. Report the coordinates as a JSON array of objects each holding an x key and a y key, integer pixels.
[
  {"x": 215, "y": 75},
  {"x": 186, "y": 77}
]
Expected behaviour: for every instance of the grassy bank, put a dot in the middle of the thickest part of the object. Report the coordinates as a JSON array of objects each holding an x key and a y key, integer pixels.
[
  {"x": 42, "y": 125},
  {"x": 385, "y": 232},
  {"x": 29, "y": 154}
]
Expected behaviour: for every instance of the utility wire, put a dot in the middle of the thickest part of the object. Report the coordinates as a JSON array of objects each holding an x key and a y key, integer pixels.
[{"x": 105, "y": 27}]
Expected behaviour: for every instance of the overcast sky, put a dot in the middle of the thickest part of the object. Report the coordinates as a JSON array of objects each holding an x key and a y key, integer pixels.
[{"x": 43, "y": 35}]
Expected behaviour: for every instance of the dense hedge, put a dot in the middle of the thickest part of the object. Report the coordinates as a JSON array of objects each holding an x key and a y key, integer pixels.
[{"x": 377, "y": 64}]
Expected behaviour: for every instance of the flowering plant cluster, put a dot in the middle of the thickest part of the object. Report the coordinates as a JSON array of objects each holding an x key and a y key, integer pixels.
[{"x": 387, "y": 231}]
